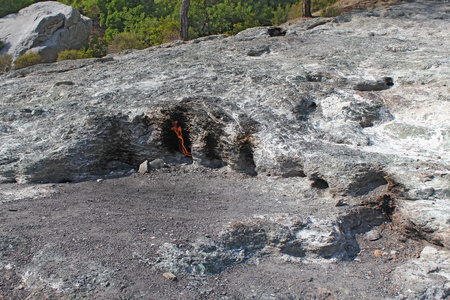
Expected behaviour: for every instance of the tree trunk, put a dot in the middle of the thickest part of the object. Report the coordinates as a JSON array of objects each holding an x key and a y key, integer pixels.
[
  {"x": 306, "y": 9},
  {"x": 184, "y": 26}
]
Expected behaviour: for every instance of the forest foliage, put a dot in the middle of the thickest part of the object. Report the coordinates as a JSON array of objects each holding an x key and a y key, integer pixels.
[{"x": 143, "y": 23}]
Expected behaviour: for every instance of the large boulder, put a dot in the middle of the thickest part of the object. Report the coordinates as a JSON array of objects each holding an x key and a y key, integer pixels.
[{"x": 45, "y": 28}]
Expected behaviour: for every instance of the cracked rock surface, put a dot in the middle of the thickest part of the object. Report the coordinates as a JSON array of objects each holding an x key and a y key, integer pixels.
[{"x": 320, "y": 164}]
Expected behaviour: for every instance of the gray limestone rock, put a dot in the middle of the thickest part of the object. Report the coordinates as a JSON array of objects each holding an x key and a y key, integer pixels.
[
  {"x": 428, "y": 218},
  {"x": 45, "y": 28},
  {"x": 280, "y": 236},
  {"x": 143, "y": 168},
  {"x": 292, "y": 111},
  {"x": 427, "y": 277}
]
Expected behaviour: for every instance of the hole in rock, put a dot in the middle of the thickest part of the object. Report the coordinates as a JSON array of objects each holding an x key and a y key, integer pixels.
[
  {"x": 359, "y": 222},
  {"x": 389, "y": 81},
  {"x": 320, "y": 184},
  {"x": 293, "y": 248},
  {"x": 387, "y": 205},
  {"x": 277, "y": 31},
  {"x": 293, "y": 173},
  {"x": 314, "y": 77},
  {"x": 214, "y": 160},
  {"x": 169, "y": 137},
  {"x": 304, "y": 109},
  {"x": 65, "y": 180},
  {"x": 246, "y": 162}
]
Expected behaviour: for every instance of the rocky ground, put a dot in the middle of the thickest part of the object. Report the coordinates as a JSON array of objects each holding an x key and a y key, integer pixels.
[
  {"x": 223, "y": 235},
  {"x": 319, "y": 168}
]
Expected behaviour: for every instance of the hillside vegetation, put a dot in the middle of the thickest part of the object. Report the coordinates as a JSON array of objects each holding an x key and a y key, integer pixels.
[{"x": 144, "y": 23}]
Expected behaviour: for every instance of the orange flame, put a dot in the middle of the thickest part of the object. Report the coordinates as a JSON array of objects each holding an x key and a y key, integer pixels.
[{"x": 177, "y": 129}]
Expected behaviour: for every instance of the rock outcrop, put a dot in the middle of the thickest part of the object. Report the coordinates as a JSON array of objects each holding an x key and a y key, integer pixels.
[
  {"x": 354, "y": 103},
  {"x": 45, "y": 28}
]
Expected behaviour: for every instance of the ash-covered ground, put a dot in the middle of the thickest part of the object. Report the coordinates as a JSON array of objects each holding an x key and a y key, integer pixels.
[{"x": 223, "y": 235}]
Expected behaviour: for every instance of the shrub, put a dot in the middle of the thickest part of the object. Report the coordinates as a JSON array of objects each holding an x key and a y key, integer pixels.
[
  {"x": 127, "y": 40},
  {"x": 27, "y": 59},
  {"x": 74, "y": 54},
  {"x": 5, "y": 63},
  {"x": 2, "y": 45},
  {"x": 331, "y": 11},
  {"x": 97, "y": 47}
]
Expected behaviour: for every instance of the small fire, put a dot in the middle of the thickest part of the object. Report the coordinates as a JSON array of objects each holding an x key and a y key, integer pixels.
[{"x": 177, "y": 129}]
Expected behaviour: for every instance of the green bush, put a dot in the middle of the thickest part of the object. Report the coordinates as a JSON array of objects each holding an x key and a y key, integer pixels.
[
  {"x": 127, "y": 40},
  {"x": 2, "y": 45},
  {"x": 74, "y": 54},
  {"x": 5, "y": 63},
  {"x": 27, "y": 59},
  {"x": 331, "y": 11},
  {"x": 97, "y": 47}
]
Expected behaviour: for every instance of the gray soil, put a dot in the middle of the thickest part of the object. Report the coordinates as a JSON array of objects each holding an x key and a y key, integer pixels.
[{"x": 105, "y": 239}]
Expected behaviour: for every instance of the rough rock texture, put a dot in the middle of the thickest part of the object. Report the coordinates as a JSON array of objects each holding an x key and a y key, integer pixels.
[
  {"x": 357, "y": 106},
  {"x": 45, "y": 28},
  {"x": 427, "y": 277}
]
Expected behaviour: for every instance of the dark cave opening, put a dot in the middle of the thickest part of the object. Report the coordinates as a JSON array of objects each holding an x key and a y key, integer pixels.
[
  {"x": 212, "y": 151},
  {"x": 169, "y": 138},
  {"x": 320, "y": 184},
  {"x": 276, "y": 31},
  {"x": 246, "y": 163}
]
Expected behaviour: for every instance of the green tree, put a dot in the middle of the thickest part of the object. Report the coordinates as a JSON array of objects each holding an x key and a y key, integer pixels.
[
  {"x": 13, "y": 6},
  {"x": 86, "y": 7}
]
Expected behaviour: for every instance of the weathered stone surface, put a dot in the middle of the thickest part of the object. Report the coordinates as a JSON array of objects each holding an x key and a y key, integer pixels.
[
  {"x": 143, "y": 168},
  {"x": 281, "y": 236},
  {"x": 157, "y": 164},
  {"x": 290, "y": 112},
  {"x": 373, "y": 235},
  {"x": 170, "y": 276},
  {"x": 428, "y": 218},
  {"x": 45, "y": 28},
  {"x": 378, "y": 253},
  {"x": 427, "y": 277}
]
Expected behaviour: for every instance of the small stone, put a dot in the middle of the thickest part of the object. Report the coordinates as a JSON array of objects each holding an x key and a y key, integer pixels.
[
  {"x": 99, "y": 180},
  {"x": 339, "y": 202},
  {"x": 373, "y": 235},
  {"x": 143, "y": 168},
  {"x": 157, "y": 164},
  {"x": 402, "y": 239},
  {"x": 170, "y": 276},
  {"x": 378, "y": 253}
]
